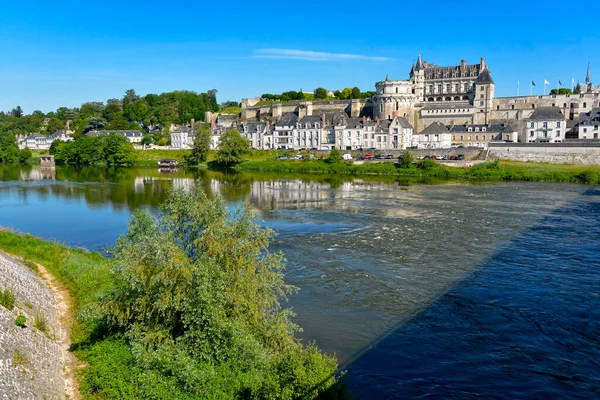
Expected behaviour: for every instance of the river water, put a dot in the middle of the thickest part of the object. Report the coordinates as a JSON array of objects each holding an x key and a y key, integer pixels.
[{"x": 443, "y": 289}]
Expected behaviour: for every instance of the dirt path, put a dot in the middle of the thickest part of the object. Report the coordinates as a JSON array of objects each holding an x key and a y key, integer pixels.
[{"x": 63, "y": 300}]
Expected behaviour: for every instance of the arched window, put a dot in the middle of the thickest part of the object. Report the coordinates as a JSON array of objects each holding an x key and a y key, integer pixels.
[
  {"x": 497, "y": 107},
  {"x": 465, "y": 97},
  {"x": 448, "y": 98},
  {"x": 396, "y": 90},
  {"x": 564, "y": 105},
  {"x": 532, "y": 106},
  {"x": 476, "y": 137},
  {"x": 584, "y": 105},
  {"x": 461, "y": 137},
  {"x": 456, "y": 98},
  {"x": 512, "y": 107},
  {"x": 430, "y": 99},
  {"x": 439, "y": 99}
]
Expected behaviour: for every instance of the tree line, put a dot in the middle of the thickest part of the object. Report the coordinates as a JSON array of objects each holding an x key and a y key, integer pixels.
[
  {"x": 319, "y": 94},
  {"x": 150, "y": 113}
]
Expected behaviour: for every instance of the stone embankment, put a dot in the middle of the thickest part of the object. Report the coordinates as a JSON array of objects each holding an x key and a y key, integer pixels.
[
  {"x": 560, "y": 153},
  {"x": 32, "y": 357}
]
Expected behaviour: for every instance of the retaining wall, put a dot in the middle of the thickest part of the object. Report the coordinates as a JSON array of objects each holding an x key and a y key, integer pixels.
[{"x": 559, "y": 153}]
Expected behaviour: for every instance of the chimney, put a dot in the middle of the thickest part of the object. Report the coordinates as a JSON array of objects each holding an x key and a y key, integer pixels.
[
  {"x": 463, "y": 65},
  {"x": 394, "y": 115},
  {"x": 377, "y": 120},
  {"x": 364, "y": 119},
  {"x": 482, "y": 63}
]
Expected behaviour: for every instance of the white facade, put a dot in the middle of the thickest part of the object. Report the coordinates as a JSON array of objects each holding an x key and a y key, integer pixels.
[
  {"x": 182, "y": 138},
  {"x": 546, "y": 125}
]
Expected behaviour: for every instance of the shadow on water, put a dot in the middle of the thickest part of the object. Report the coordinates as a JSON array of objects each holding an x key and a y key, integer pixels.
[{"x": 526, "y": 324}]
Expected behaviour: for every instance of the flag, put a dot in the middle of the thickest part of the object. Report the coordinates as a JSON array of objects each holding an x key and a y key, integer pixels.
[
  {"x": 533, "y": 83},
  {"x": 546, "y": 82},
  {"x": 559, "y": 83},
  {"x": 573, "y": 82}
]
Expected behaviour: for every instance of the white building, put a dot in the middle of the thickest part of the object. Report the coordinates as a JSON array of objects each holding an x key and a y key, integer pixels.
[
  {"x": 435, "y": 136},
  {"x": 132, "y": 136},
  {"x": 182, "y": 137},
  {"x": 309, "y": 131},
  {"x": 283, "y": 134},
  {"x": 37, "y": 141},
  {"x": 546, "y": 125},
  {"x": 481, "y": 135}
]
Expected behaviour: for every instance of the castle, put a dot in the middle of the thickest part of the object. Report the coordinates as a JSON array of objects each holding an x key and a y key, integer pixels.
[{"x": 460, "y": 98}]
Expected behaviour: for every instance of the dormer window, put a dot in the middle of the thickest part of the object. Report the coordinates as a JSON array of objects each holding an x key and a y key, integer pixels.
[
  {"x": 476, "y": 129},
  {"x": 483, "y": 129},
  {"x": 470, "y": 129}
]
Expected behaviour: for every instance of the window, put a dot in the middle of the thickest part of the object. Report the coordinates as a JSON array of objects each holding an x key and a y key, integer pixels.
[
  {"x": 430, "y": 89},
  {"x": 595, "y": 136},
  {"x": 457, "y": 88},
  {"x": 557, "y": 133},
  {"x": 512, "y": 107},
  {"x": 461, "y": 137},
  {"x": 476, "y": 129},
  {"x": 482, "y": 88},
  {"x": 481, "y": 103},
  {"x": 531, "y": 134},
  {"x": 558, "y": 124},
  {"x": 396, "y": 90},
  {"x": 453, "y": 137},
  {"x": 532, "y": 124},
  {"x": 449, "y": 88},
  {"x": 466, "y": 87},
  {"x": 481, "y": 96},
  {"x": 476, "y": 137},
  {"x": 483, "y": 129},
  {"x": 545, "y": 125},
  {"x": 436, "y": 138},
  {"x": 427, "y": 138},
  {"x": 532, "y": 106},
  {"x": 564, "y": 105},
  {"x": 483, "y": 137},
  {"x": 584, "y": 105},
  {"x": 470, "y": 129},
  {"x": 440, "y": 88},
  {"x": 584, "y": 130}
]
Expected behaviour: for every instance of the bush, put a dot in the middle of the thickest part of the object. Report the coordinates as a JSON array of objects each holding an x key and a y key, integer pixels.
[
  {"x": 20, "y": 321},
  {"x": 335, "y": 157},
  {"x": 7, "y": 299},
  {"x": 427, "y": 164},
  {"x": 24, "y": 155},
  {"x": 40, "y": 323},
  {"x": 588, "y": 176}
]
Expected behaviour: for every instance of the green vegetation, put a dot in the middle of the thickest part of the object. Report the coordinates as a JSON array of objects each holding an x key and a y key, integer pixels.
[
  {"x": 201, "y": 147},
  {"x": 405, "y": 160},
  {"x": 40, "y": 322},
  {"x": 112, "y": 149},
  {"x": 320, "y": 94},
  {"x": 190, "y": 307},
  {"x": 233, "y": 147},
  {"x": 496, "y": 170},
  {"x": 9, "y": 150},
  {"x": 7, "y": 299},
  {"x": 20, "y": 321},
  {"x": 335, "y": 157},
  {"x": 19, "y": 358},
  {"x": 561, "y": 91}
]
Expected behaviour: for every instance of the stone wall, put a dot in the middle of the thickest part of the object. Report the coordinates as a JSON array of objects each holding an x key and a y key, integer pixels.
[
  {"x": 31, "y": 361},
  {"x": 560, "y": 153}
]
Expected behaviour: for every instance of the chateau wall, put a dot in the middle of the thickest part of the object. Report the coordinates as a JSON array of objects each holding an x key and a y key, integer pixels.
[{"x": 560, "y": 153}]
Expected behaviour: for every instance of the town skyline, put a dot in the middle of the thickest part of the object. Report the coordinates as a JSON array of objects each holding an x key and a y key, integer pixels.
[{"x": 60, "y": 59}]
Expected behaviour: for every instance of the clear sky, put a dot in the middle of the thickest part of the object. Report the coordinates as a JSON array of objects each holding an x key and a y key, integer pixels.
[{"x": 64, "y": 53}]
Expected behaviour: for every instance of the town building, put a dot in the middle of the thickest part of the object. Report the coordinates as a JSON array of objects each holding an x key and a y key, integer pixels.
[
  {"x": 589, "y": 123},
  {"x": 182, "y": 137},
  {"x": 435, "y": 136},
  {"x": 133, "y": 136},
  {"x": 481, "y": 135},
  {"x": 546, "y": 125}
]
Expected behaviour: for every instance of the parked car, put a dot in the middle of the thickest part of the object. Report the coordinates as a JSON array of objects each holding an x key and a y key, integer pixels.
[
  {"x": 389, "y": 157},
  {"x": 452, "y": 158},
  {"x": 439, "y": 157},
  {"x": 460, "y": 157},
  {"x": 426, "y": 157},
  {"x": 347, "y": 157},
  {"x": 368, "y": 156}
]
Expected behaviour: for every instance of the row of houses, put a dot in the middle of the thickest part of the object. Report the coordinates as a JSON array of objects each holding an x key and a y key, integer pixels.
[{"x": 37, "y": 141}]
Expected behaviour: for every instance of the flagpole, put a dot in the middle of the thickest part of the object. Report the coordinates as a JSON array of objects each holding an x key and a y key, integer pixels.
[
  {"x": 531, "y": 88},
  {"x": 544, "y": 92},
  {"x": 518, "y": 86}
]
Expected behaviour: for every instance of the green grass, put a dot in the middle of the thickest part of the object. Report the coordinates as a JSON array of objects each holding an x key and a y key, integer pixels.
[
  {"x": 88, "y": 278},
  {"x": 231, "y": 110},
  {"x": 7, "y": 299},
  {"x": 151, "y": 157}
]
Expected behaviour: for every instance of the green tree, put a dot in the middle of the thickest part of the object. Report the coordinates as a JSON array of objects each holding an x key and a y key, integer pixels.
[
  {"x": 54, "y": 125},
  {"x": 24, "y": 155},
  {"x": 335, "y": 157},
  {"x": 118, "y": 124},
  {"x": 355, "y": 93},
  {"x": 198, "y": 297},
  {"x": 320, "y": 93},
  {"x": 405, "y": 160},
  {"x": 561, "y": 91},
  {"x": 201, "y": 147},
  {"x": 339, "y": 95},
  {"x": 347, "y": 93},
  {"x": 9, "y": 149},
  {"x": 17, "y": 112},
  {"x": 233, "y": 147},
  {"x": 116, "y": 149}
]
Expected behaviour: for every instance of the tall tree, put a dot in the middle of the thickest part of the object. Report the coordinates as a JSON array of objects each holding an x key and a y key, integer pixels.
[
  {"x": 320, "y": 93},
  {"x": 233, "y": 147},
  {"x": 201, "y": 147},
  {"x": 17, "y": 112}
]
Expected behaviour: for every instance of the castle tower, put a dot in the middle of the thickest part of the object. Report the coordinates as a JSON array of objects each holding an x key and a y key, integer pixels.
[
  {"x": 588, "y": 79},
  {"x": 417, "y": 78},
  {"x": 484, "y": 95}
]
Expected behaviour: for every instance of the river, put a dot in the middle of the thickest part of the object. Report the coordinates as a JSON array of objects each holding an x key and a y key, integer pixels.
[{"x": 422, "y": 289}]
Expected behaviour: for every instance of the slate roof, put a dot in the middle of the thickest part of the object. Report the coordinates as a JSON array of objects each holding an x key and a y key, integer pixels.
[
  {"x": 403, "y": 122},
  {"x": 255, "y": 127},
  {"x": 547, "y": 113},
  {"x": 591, "y": 118},
  {"x": 35, "y": 135},
  {"x": 419, "y": 65},
  {"x": 287, "y": 119},
  {"x": 484, "y": 78},
  {"x": 126, "y": 133},
  {"x": 58, "y": 133},
  {"x": 435, "y": 128},
  {"x": 354, "y": 123},
  {"x": 312, "y": 120}
]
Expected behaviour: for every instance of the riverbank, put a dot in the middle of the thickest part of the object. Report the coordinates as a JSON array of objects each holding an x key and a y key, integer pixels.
[
  {"x": 86, "y": 277},
  {"x": 491, "y": 170}
]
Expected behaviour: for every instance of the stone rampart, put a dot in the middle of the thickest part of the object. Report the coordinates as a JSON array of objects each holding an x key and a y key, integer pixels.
[
  {"x": 31, "y": 357},
  {"x": 560, "y": 153}
]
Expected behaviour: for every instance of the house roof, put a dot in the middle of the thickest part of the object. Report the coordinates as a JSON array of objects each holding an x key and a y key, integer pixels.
[
  {"x": 591, "y": 118},
  {"x": 403, "y": 122},
  {"x": 435, "y": 128},
  {"x": 484, "y": 78},
  {"x": 493, "y": 128},
  {"x": 353, "y": 123},
  {"x": 287, "y": 119},
  {"x": 547, "y": 113},
  {"x": 35, "y": 135},
  {"x": 255, "y": 127},
  {"x": 311, "y": 120}
]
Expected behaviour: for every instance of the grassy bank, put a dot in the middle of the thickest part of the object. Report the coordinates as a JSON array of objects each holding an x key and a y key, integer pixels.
[
  {"x": 108, "y": 372},
  {"x": 498, "y": 170}
]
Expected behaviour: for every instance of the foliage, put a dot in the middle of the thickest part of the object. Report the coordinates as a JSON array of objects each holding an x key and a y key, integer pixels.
[
  {"x": 24, "y": 155},
  {"x": 40, "y": 322},
  {"x": 197, "y": 294},
  {"x": 201, "y": 147},
  {"x": 427, "y": 164},
  {"x": 561, "y": 91},
  {"x": 9, "y": 150},
  {"x": 335, "y": 157},
  {"x": 320, "y": 93},
  {"x": 20, "y": 321},
  {"x": 7, "y": 299},
  {"x": 405, "y": 160},
  {"x": 17, "y": 112},
  {"x": 162, "y": 142},
  {"x": 233, "y": 147},
  {"x": 146, "y": 140},
  {"x": 113, "y": 149},
  {"x": 285, "y": 96}
]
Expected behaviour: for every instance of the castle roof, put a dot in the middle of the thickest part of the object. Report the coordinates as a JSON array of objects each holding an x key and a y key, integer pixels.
[
  {"x": 547, "y": 113},
  {"x": 419, "y": 65},
  {"x": 484, "y": 77}
]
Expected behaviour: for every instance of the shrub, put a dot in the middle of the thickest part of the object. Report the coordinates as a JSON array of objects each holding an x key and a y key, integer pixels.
[
  {"x": 40, "y": 323},
  {"x": 7, "y": 299},
  {"x": 427, "y": 164},
  {"x": 20, "y": 321},
  {"x": 335, "y": 157},
  {"x": 588, "y": 176}
]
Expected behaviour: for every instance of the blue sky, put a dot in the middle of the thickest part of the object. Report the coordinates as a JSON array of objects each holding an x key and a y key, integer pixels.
[{"x": 63, "y": 53}]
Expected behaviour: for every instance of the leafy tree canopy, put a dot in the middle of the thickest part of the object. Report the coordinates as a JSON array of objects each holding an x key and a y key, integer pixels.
[{"x": 233, "y": 147}]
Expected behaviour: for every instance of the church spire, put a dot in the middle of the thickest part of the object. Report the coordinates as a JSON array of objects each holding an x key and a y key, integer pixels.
[{"x": 588, "y": 79}]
